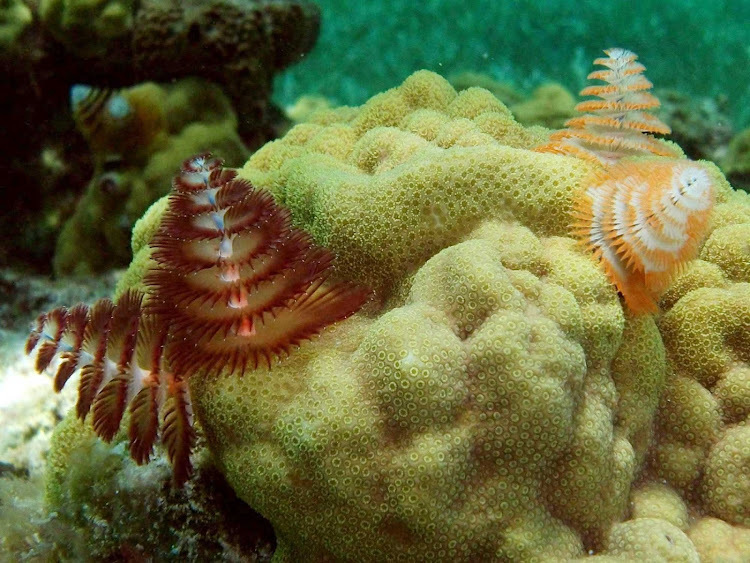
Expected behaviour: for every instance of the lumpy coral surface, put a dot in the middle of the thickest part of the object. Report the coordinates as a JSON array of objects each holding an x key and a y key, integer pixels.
[{"x": 494, "y": 401}]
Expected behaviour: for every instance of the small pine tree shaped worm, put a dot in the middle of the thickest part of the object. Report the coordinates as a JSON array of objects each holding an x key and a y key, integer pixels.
[{"x": 617, "y": 125}]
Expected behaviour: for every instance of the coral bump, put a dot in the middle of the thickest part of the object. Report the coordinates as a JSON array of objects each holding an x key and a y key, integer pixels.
[{"x": 233, "y": 286}]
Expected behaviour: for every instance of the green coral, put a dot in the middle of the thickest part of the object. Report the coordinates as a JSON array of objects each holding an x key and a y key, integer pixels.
[
  {"x": 15, "y": 17},
  {"x": 188, "y": 117},
  {"x": 456, "y": 420},
  {"x": 494, "y": 401},
  {"x": 550, "y": 105},
  {"x": 659, "y": 501},
  {"x": 702, "y": 446},
  {"x": 99, "y": 496},
  {"x": 503, "y": 91},
  {"x": 650, "y": 539},
  {"x": 89, "y": 27},
  {"x": 718, "y": 542}
]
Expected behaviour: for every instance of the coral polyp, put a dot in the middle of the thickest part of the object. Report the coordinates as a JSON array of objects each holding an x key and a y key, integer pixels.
[{"x": 234, "y": 285}]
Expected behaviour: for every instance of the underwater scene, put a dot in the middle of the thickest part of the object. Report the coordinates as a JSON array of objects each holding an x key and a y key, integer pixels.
[{"x": 334, "y": 281}]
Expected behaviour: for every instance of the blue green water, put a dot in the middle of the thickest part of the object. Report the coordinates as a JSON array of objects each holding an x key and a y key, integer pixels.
[{"x": 701, "y": 48}]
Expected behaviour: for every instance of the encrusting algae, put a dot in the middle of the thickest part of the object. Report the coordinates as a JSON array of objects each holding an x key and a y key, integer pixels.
[{"x": 495, "y": 400}]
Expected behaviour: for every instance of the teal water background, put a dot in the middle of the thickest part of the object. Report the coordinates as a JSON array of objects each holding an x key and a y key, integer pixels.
[{"x": 701, "y": 48}]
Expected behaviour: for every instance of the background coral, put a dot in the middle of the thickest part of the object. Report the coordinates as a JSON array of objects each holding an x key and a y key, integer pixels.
[
  {"x": 649, "y": 539},
  {"x": 500, "y": 404},
  {"x": 503, "y": 91},
  {"x": 55, "y": 44},
  {"x": 701, "y": 126},
  {"x": 550, "y": 105},
  {"x": 90, "y": 28},
  {"x": 188, "y": 117},
  {"x": 717, "y": 541},
  {"x": 702, "y": 446},
  {"x": 15, "y": 17},
  {"x": 736, "y": 163},
  {"x": 240, "y": 45}
]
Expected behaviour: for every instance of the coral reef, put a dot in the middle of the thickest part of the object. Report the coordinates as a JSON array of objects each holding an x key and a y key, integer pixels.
[
  {"x": 501, "y": 403},
  {"x": 503, "y": 91},
  {"x": 121, "y": 42},
  {"x": 15, "y": 17},
  {"x": 134, "y": 159},
  {"x": 227, "y": 39},
  {"x": 718, "y": 542},
  {"x": 303, "y": 108},
  {"x": 548, "y": 105},
  {"x": 90, "y": 29},
  {"x": 496, "y": 400},
  {"x": 649, "y": 539},
  {"x": 701, "y": 446},
  {"x": 659, "y": 501}
]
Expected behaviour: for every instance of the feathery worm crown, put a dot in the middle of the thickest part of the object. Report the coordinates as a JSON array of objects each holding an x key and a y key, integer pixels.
[
  {"x": 233, "y": 285},
  {"x": 617, "y": 125},
  {"x": 644, "y": 221},
  {"x": 239, "y": 284},
  {"x": 118, "y": 350}
]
